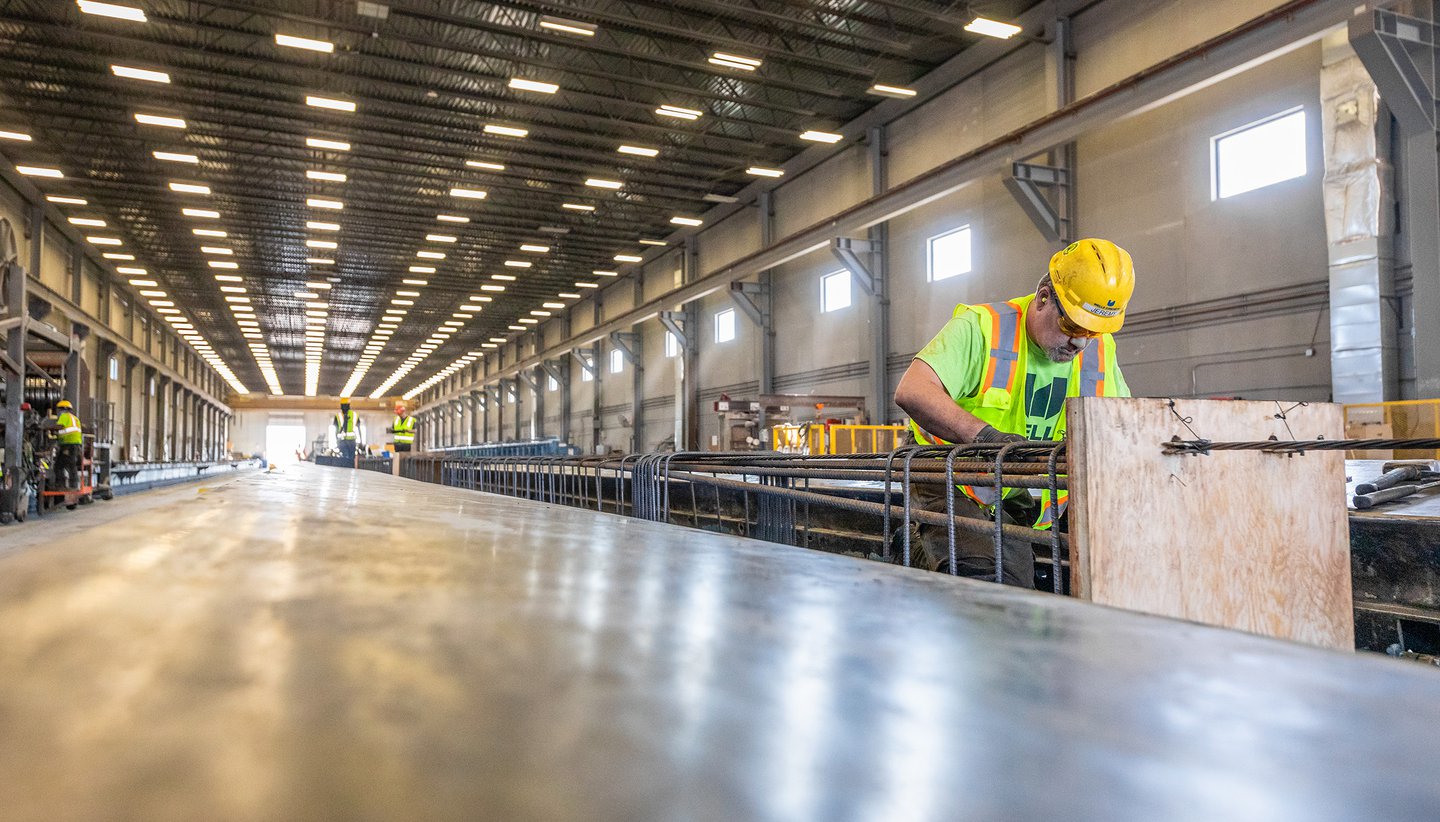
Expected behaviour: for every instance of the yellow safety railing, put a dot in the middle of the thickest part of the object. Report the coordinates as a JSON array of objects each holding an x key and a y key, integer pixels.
[
  {"x": 1401, "y": 419},
  {"x": 817, "y": 438}
]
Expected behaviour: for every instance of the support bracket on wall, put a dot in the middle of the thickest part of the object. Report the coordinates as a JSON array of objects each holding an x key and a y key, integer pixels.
[
  {"x": 1387, "y": 43},
  {"x": 748, "y": 298},
  {"x": 849, "y": 249},
  {"x": 475, "y": 402},
  {"x": 586, "y": 358},
  {"x": 552, "y": 368},
  {"x": 527, "y": 379},
  {"x": 623, "y": 340},
  {"x": 674, "y": 322},
  {"x": 1039, "y": 189}
]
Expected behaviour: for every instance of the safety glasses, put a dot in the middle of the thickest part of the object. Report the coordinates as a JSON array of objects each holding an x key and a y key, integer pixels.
[{"x": 1070, "y": 329}]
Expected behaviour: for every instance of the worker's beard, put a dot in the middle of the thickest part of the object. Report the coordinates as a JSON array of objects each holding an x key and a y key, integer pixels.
[{"x": 1066, "y": 351}]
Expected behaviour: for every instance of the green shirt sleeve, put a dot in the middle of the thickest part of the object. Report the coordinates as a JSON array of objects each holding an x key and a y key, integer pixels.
[{"x": 958, "y": 356}]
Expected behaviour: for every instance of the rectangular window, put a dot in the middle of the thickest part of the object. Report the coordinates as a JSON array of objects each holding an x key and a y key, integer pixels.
[
  {"x": 672, "y": 345},
  {"x": 114, "y": 369},
  {"x": 586, "y": 375},
  {"x": 725, "y": 325},
  {"x": 1257, "y": 155},
  {"x": 617, "y": 361},
  {"x": 835, "y": 291},
  {"x": 510, "y": 396},
  {"x": 552, "y": 384},
  {"x": 948, "y": 254}
]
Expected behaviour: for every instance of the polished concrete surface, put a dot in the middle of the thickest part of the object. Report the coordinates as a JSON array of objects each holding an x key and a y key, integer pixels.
[{"x": 330, "y": 644}]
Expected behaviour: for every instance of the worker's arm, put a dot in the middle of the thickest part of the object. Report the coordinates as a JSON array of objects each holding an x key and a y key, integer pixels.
[{"x": 923, "y": 396}]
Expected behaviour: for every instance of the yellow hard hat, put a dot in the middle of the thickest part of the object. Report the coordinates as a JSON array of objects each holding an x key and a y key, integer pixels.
[
  {"x": 1093, "y": 282},
  {"x": 64, "y": 404},
  {"x": 344, "y": 400}
]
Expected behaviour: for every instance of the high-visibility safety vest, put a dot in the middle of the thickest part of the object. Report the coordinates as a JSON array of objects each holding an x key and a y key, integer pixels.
[
  {"x": 69, "y": 433},
  {"x": 404, "y": 428},
  {"x": 999, "y": 400},
  {"x": 345, "y": 428}
]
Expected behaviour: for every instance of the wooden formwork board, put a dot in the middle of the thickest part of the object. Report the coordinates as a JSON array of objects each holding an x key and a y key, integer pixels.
[{"x": 1248, "y": 540}]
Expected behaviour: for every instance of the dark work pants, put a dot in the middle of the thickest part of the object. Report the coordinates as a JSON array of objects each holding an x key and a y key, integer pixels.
[
  {"x": 402, "y": 447},
  {"x": 974, "y": 552},
  {"x": 67, "y": 465},
  {"x": 347, "y": 449}
]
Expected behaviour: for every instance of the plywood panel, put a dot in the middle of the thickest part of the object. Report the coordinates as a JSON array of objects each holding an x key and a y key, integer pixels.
[{"x": 1242, "y": 539}]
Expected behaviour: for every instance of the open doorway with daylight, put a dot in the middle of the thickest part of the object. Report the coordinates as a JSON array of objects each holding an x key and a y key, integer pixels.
[{"x": 285, "y": 440}]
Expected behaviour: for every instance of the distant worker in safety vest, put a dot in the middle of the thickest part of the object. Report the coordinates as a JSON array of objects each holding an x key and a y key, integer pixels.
[
  {"x": 346, "y": 430},
  {"x": 1001, "y": 373},
  {"x": 69, "y": 438},
  {"x": 403, "y": 429}
]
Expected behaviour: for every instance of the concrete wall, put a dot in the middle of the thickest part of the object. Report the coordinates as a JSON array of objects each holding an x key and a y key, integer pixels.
[
  {"x": 248, "y": 432},
  {"x": 1143, "y": 182}
]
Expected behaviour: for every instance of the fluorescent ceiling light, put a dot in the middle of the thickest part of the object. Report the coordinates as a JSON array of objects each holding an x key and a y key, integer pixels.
[
  {"x": 327, "y": 176},
  {"x": 638, "y": 151},
  {"x": 415, "y": 282},
  {"x": 821, "y": 136},
  {"x": 140, "y": 74},
  {"x": 661, "y": 243},
  {"x": 115, "y": 10},
  {"x": 200, "y": 212},
  {"x": 329, "y": 103},
  {"x": 56, "y": 198},
  {"x": 527, "y": 320},
  {"x": 402, "y": 302},
  {"x": 439, "y": 238},
  {"x": 596, "y": 182},
  {"x": 15, "y": 135},
  {"x": 533, "y": 85},
  {"x": 539, "y": 313},
  {"x": 690, "y": 221},
  {"x": 320, "y": 261},
  {"x": 992, "y": 28},
  {"x": 504, "y": 278},
  {"x": 318, "y": 202},
  {"x": 489, "y": 287},
  {"x": 207, "y": 232},
  {"x": 678, "y": 112},
  {"x": 294, "y": 42},
  {"x": 625, "y": 258},
  {"x": 333, "y": 145},
  {"x": 321, "y": 244},
  {"x": 113, "y": 256},
  {"x": 538, "y": 249},
  {"x": 223, "y": 264},
  {"x": 216, "y": 250},
  {"x": 422, "y": 269},
  {"x": 599, "y": 273},
  {"x": 190, "y": 188},
  {"x": 489, "y": 166},
  {"x": 518, "y": 264},
  {"x": 553, "y": 305},
  {"x": 578, "y": 207},
  {"x": 228, "y": 278},
  {"x": 88, "y": 222},
  {"x": 468, "y": 193},
  {"x": 104, "y": 240},
  {"x": 884, "y": 90},
  {"x": 305, "y": 295},
  {"x": 318, "y": 285},
  {"x": 451, "y": 218},
  {"x": 587, "y": 285},
  {"x": 130, "y": 269},
  {"x": 565, "y": 26},
  {"x": 430, "y": 255},
  {"x": 159, "y": 120},
  {"x": 762, "y": 171},
  {"x": 319, "y": 226},
  {"x": 720, "y": 58},
  {"x": 175, "y": 157},
  {"x": 232, "y": 289},
  {"x": 39, "y": 171},
  {"x": 505, "y": 131}
]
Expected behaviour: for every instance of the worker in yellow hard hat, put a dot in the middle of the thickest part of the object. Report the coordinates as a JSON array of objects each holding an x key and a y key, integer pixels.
[
  {"x": 1001, "y": 372},
  {"x": 346, "y": 431},
  {"x": 69, "y": 439}
]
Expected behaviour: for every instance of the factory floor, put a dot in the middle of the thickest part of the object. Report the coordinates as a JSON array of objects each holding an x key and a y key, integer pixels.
[{"x": 332, "y": 644}]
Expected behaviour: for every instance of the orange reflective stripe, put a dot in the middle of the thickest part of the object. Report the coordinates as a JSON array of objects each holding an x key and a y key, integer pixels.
[{"x": 989, "y": 380}]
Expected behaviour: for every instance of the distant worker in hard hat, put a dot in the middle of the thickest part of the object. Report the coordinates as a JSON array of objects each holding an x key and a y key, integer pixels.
[
  {"x": 1000, "y": 373},
  {"x": 403, "y": 429},
  {"x": 346, "y": 430},
  {"x": 69, "y": 439}
]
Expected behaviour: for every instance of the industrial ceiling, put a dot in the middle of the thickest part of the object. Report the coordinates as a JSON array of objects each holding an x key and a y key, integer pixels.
[{"x": 285, "y": 172}]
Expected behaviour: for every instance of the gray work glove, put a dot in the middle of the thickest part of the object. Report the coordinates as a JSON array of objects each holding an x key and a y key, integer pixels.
[{"x": 993, "y": 435}]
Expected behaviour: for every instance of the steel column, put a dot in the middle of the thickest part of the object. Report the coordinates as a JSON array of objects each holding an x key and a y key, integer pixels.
[{"x": 879, "y": 399}]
